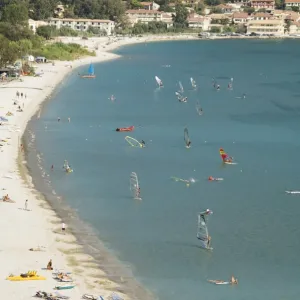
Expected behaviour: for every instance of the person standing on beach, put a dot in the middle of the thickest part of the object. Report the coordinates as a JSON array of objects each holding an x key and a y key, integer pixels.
[
  {"x": 21, "y": 95},
  {"x": 26, "y": 204},
  {"x": 52, "y": 167},
  {"x": 63, "y": 227}
]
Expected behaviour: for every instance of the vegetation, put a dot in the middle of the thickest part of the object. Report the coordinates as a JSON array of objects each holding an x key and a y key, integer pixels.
[
  {"x": 17, "y": 40},
  {"x": 180, "y": 16},
  {"x": 62, "y": 51}
]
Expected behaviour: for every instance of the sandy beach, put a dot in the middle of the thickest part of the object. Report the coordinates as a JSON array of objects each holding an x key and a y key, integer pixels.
[{"x": 38, "y": 226}]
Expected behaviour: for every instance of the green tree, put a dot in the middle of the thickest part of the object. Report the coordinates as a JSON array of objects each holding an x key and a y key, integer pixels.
[
  {"x": 180, "y": 17},
  {"x": 42, "y": 9},
  {"x": 241, "y": 29},
  {"x": 25, "y": 46},
  {"x": 215, "y": 29},
  {"x": 46, "y": 32},
  {"x": 212, "y": 2},
  {"x": 16, "y": 14},
  {"x": 295, "y": 8},
  {"x": 249, "y": 10}
]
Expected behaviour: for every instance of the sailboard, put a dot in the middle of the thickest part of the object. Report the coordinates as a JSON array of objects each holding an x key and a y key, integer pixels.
[
  {"x": 91, "y": 72},
  {"x": 199, "y": 109},
  {"x": 193, "y": 83},
  {"x": 159, "y": 82},
  {"x": 179, "y": 96},
  {"x": 67, "y": 167},
  {"x": 292, "y": 192},
  {"x": 181, "y": 90},
  {"x": 218, "y": 282},
  {"x": 186, "y": 138},
  {"x": 226, "y": 158},
  {"x": 202, "y": 231},
  {"x": 134, "y": 186},
  {"x": 133, "y": 142}
]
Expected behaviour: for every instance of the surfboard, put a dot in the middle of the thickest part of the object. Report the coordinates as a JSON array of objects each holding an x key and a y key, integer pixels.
[
  {"x": 292, "y": 192},
  {"x": 230, "y": 163}
]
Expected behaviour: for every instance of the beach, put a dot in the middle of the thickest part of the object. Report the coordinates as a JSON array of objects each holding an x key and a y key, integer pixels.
[{"x": 38, "y": 226}]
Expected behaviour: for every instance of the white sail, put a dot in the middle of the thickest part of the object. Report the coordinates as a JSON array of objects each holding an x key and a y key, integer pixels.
[
  {"x": 66, "y": 165},
  {"x": 181, "y": 90},
  {"x": 193, "y": 82},
  {"x": 134, "y": 186},
  {"x": 202, "y": 231},
  {"x": 159, "y": 82},
  {"x": 199, "y": 108}
]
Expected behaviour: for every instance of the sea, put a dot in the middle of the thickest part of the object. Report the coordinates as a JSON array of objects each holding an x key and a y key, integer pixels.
[{"x": 254, "y": 228}]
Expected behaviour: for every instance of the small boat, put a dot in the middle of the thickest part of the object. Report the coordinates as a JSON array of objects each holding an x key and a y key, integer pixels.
[
  {"x": 131, "y": 128},
  {"x": 65, "y": 287},
  {"x": 91, "y": 72}
]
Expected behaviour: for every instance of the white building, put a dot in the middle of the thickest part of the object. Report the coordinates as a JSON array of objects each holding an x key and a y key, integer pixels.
[
  {"x": 266, "y": 27},
  {"x": 291, "y": 3},
  {"x": 144, "y": 16},
  {"x": 83, "y": 24},
  {"x": 33, "y": 25},
  {"x": 197, "y": 21},
  {"x": 150, "y": 5}
]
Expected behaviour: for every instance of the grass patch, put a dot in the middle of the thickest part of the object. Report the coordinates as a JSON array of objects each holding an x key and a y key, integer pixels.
[{"x": 61, "y": 51}]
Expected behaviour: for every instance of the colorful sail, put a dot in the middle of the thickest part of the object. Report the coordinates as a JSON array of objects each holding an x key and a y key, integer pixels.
[
  {"x": 91, "y": 69},
  {"x": 202, "y": 230},
  {"x": 223, "y": 154}
]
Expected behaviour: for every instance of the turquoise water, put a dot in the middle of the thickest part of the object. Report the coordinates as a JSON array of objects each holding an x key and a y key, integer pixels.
[{"x": 255, "y": 226}]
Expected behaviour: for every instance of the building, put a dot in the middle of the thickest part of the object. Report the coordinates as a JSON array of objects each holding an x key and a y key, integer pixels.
[
  {"x": 225, "y": 9},
  {"x": 144, "y": 16},
  {"x": 197, "y": 21},
  {"x": 262, "y": 16},
  {"x": 33, "y": 25},
  {"x": 294, "y": 28},
  {"x": 240, "y": 18},
  {"x": 266, "y": 27},
  {"x": 168, "y": 19},
  {"x": 292, "y": 3},
  {"x": 268, "y": 5},
  {"x": 83, "y": 24},
  {"x": 150, "y": 5}
]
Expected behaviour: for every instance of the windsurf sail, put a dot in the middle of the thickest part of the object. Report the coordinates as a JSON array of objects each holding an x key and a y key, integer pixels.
[
  {"x": 158, "y": 81},
  {"x": 133, "y": 142},
  {"x": 181, "y": 90},
  {"x": 199, "y": 108},
  {"x": 202, "y": 231},
  {"x": 193, "y": 82},
  {"x": 66, "y": 165},
  {"x": 134, "y": 186},
  {"x": 224, "y": 155},
  {"x": 186, "y": 137},
  {"x": 91, "y": 70}
]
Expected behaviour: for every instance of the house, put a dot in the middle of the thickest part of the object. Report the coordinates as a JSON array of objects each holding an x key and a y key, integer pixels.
[
  {"x": 143, "y": 16},
  {"x": 292, "y": 3},
  {"x": 268, "y": 5},
  {"x": 33, "y": 25},
  {"x": 168, "y": 19},
  {"x": 262, "y": 16},
  {"x": 225, "y": 9},
  {"x": 240, "y": 18},
  {"x": 150, "y": 5},
  {"x": 294, "y": 28},
  {"x": 220, "y": 18},
  {"x": 83, "y": 24},
  {"x": 197, "y": 21},
  {"x": 266, "y": 27}
]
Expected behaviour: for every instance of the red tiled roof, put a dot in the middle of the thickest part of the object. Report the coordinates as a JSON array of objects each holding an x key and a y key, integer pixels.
[{"x": 143, "y": 11}]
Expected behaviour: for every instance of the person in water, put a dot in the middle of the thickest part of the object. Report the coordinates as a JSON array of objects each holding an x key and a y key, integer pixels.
[
  {"x": 143, "y": 143},
  {"x": 188, "y": 145},
  {"x": 210, "y": 178},
  {"x": 118, "y": 129}
]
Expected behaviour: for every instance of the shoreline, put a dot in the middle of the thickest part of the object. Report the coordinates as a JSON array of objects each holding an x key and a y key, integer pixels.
[{"x": 41, "y": 225}]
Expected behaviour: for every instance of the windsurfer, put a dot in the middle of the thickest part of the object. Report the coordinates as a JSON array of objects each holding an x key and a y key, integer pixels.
[
  {"x": 143, "y": 143},
  {"x": 233, "y": 280},
  {"x": 208, "y": 241},
  {"x": 118, "y": 129},
  {"x": 138, "y": 192},
  {"x": 188, "y": 145},
  {"x": 210, "y": 178}
]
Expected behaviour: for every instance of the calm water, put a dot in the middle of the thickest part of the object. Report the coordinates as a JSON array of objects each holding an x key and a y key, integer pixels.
[{"x": 255, "y": 226}]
